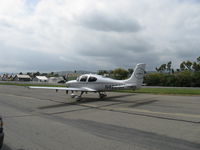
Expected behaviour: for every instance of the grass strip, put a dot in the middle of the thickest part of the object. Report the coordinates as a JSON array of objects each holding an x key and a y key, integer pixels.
[{"x": 173, "y": 91}]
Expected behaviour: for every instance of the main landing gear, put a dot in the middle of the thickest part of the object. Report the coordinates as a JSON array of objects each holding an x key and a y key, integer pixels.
[
  {"x": 78, "y": 97},
  {"x": 102, "y": 95}
]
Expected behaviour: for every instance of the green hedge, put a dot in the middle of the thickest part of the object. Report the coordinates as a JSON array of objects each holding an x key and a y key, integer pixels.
[{"x": 179, "y": 79}]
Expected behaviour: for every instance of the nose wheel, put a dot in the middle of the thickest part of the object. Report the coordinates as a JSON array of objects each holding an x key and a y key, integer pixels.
[{"x": 77, "y": 97}]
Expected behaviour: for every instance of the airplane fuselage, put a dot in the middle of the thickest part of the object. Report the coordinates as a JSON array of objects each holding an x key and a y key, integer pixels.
[{"x": 99, "y": 83}]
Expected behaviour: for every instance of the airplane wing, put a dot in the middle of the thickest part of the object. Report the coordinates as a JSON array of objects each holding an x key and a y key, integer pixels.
[{"x": 86, "y": 89}]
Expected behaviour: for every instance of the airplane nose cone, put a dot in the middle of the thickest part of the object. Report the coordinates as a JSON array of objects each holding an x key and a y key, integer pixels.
[{"x": 69, "y": 83}]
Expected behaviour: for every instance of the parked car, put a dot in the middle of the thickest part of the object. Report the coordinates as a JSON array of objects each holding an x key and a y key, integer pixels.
[{"x": 1, "y": 132}]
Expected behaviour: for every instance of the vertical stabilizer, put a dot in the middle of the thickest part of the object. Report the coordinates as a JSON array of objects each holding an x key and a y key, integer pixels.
[{"x": 137, "y": 75}]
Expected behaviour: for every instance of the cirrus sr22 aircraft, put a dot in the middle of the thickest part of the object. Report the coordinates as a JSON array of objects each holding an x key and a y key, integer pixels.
[{"x": 99, "y": 84}]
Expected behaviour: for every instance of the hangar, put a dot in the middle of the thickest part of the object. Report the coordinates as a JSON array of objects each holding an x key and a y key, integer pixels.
[
  {"x": 22, "y": 77},
  {"x": 40, "y": 79}
]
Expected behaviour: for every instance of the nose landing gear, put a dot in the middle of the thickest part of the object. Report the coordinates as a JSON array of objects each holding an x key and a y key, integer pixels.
[{"x": 77, "y": 97}]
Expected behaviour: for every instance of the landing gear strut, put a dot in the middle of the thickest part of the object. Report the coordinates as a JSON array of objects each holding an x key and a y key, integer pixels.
[
  {"x": 102, "y": 95},
  {"x": 77, "y": 97}
]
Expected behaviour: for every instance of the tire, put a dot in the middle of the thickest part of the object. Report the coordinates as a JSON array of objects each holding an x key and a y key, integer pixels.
[{"x": 1, "y": 143}]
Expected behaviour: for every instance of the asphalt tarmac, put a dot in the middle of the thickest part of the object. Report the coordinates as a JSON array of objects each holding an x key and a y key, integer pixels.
[{"x": 45, "y": 120}]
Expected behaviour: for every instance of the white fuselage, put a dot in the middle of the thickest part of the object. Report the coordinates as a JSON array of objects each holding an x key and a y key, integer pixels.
[{"x": 99, "y": 83}]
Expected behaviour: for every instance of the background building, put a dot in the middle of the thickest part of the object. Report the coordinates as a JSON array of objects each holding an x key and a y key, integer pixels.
[
  {"x": 22, "y": 77},
  {"x": 40, "y": 79},
  {"x": 56, "y": 80}
]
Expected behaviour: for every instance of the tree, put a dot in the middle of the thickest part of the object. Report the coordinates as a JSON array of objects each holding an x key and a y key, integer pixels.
[
  {"x": 198, "y": 59},
  {"x": 169, "y": 64},
  {"x": 120, "y": 73},
  {"x": 36, "y": 74},
  {"x": 182, "y": 66},
  {"x": 188, "y": 64},
  {"x": 102, "y": 72},
  {"x": 130, "y": 71},
  {"x": 29, "y": 73},
  {"x": 162, "y": 68},
  {"x": 56, "y": 75},
  {"x": 44, "y": 74},
  {"x": 173, "y": 71},
  {"x": 157, "y": 69},
  {"x": 196, "y": 67}
]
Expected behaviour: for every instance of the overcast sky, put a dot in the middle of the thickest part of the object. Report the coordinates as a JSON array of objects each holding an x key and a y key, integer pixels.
[{"x": 55, "y": 35}]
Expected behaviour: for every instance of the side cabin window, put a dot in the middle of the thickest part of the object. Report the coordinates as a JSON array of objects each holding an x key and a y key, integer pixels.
[
  {"x": 83, "y": 79},
  {"x": 92, "y": 79}
]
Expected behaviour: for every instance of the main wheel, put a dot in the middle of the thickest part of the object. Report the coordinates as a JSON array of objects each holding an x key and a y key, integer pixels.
[
  {"x": 78, "y": 98},
  {"x": 1, "y": 142},
  {"x": 73, "y": 95},
  {"x": 102, "y": 96}
]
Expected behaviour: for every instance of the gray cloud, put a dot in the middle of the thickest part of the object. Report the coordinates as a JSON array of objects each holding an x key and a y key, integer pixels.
[
  {"x": 72, "y": 35},
  {"x": 106, "y": 22},
  {"x": 113, "y": 48}
]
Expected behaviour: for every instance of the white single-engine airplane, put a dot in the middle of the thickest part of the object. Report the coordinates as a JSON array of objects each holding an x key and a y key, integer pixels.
[{"x": 99, "y": 84}]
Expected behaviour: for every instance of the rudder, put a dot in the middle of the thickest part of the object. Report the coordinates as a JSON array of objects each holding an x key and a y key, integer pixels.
[{"x": 137, "y": 75}]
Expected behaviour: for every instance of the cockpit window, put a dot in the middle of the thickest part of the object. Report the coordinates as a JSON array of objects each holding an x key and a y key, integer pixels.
[
  {"x": 83, "y": 79},
  {"x": 92, "y": 79}
]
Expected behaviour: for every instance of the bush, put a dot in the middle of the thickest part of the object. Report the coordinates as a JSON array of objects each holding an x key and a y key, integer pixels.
[{"x": 180, "y": 79}]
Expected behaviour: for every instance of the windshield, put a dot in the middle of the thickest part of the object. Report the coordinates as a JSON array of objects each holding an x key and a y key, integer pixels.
[{"x": 83, "y": 78}]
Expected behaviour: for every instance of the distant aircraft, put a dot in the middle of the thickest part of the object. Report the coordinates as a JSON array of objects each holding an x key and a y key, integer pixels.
[{"x": 99, "y": 84}]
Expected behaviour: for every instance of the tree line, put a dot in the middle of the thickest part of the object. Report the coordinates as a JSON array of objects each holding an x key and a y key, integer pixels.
[
  {"x": 34, "y": 74},
  {"x": 118, "y": 73},
  {"x": 187, "y": 75}
]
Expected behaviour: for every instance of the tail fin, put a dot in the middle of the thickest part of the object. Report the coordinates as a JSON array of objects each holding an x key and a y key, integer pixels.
[{"x": 138, "y": 75}]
